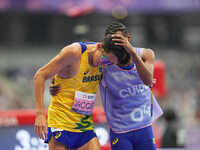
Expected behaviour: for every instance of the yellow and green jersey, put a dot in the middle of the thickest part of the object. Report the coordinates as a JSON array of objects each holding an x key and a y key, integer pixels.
[{"x": 60, "y": 112}]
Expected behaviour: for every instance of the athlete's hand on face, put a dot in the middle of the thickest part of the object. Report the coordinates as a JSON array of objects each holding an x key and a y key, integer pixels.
[
  {"x": 40, "y": 127},
  {"x": 123, "y": 41}
]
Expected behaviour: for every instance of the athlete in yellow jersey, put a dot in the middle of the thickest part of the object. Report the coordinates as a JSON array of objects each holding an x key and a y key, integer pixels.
[{"x": 70, "y": 125}]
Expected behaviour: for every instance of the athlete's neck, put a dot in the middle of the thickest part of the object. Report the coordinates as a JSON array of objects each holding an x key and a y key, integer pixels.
[
  {"x": 91, "y": 54},
  {"x": 126, "y": 65}
]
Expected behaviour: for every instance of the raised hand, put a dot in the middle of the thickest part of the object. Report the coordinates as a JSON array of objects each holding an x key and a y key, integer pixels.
[{"x": 123, "y": 41}]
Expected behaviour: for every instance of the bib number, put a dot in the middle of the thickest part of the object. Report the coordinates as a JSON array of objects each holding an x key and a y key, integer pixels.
[{"x": 83, "y": 103}]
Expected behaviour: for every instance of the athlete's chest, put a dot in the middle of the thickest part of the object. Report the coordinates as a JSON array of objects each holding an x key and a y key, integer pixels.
[{"x": 119, "y": 76}]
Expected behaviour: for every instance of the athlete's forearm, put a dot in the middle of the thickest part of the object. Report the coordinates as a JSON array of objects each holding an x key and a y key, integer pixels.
[
  {"x": 145, "y": 70},
  {"x": 39, "y": 85}
]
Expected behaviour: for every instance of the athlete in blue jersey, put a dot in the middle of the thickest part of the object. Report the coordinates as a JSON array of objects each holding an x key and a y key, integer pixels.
[
  {"x": 128, "y": 102},
  {"x": 125, "y": 91}
]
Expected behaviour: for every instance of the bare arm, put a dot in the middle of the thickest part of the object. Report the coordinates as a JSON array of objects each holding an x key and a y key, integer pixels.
[
  {"x": 66, "y": 57},
  {"x": 145, "y": 65}
]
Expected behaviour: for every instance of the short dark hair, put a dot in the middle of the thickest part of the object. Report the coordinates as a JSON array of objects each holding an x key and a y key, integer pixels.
[
  {"x": 119, "y": 51},
  {"x": 116, "y": 26},
  {"x": 109, "y": 45}
]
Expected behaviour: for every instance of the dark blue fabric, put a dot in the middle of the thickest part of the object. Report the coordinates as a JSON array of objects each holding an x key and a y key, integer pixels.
[
  {"x": 141, "y": 139},
  {"x": 84, "y": 45},
  {"x": 128, "y": 67},
  {"x": 71, "y": 140}
]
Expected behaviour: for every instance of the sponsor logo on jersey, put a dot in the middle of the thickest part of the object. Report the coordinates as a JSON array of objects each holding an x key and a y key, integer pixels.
[
  {"x": 58, "y": 135},
  {"x": 92, "y": 78},
  {"x": 86, "y": 72},
  {"x": 115, "y": 141}
]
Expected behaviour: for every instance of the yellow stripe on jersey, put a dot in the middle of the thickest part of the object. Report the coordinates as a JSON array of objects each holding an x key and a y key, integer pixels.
[{"x": 60, "y": 114}]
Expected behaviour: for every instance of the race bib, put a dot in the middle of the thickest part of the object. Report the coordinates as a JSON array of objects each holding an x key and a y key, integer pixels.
[{"x": 83, "y": 103}]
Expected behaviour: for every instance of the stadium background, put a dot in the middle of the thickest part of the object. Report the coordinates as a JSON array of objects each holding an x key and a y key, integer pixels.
[{"x": 34, "y": 31}]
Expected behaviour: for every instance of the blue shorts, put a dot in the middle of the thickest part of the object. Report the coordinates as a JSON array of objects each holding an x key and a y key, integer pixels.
[
  {"x": 142, "y": 139},
  {"x": 71, "y": 140}
]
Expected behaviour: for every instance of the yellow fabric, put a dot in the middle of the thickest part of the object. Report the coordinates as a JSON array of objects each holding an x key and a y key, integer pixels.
[{"x": 60, "y": 114}]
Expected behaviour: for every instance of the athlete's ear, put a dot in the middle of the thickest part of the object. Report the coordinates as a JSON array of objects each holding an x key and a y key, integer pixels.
[
  {"x": 99, "y": 46},
  {"x": 96, "y": 48}
]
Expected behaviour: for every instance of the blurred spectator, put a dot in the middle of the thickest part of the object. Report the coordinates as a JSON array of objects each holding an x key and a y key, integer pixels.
[{"x": 173, "y": 136}]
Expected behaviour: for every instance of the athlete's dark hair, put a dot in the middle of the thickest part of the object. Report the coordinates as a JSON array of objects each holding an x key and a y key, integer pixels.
[
  {"x": 109, "y": 45},
  {"x": 116, "y": 26},
  {"x": 119, "y": 51}
]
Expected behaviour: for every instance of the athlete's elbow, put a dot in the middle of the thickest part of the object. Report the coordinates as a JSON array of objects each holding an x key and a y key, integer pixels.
[
  {"x": 38, "y": 75},
  {"x": 148, "y": 81}
]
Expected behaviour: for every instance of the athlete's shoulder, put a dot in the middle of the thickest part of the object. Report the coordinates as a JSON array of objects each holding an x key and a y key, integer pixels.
[
  {"x": 73, "y": 50},
  {"x": 87, "y": 45},
  {"x": 148, "y": 53},
  {"x": 149, "y": 50}
]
